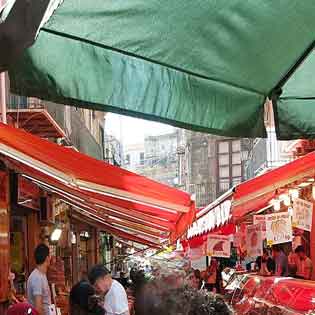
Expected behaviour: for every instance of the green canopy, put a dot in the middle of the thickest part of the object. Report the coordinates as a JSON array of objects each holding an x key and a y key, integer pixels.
[{"x": 205, "y": 65}]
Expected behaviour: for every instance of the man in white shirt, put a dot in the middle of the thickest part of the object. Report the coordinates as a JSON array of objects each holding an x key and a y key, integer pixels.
[{"x": 116, "y": 301}]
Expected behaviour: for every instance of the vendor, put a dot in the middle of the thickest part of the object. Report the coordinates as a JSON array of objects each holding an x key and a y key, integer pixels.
[
  {"x": 265, "y": 264},
  {"x": 304, "y": 265}
]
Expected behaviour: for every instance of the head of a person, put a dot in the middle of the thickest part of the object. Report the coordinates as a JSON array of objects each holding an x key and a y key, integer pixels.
[
  {"x": 197, "y": 273},
  {"x": 42, "y": 256},
  {"x": 300, "y": 251},
  {"x": 83, "y": 300},
  {"x": 157, "y": 299},
  {"x": 265, "y": 253},
  {"x": 192, "y": 281},
  {"x": 100, "y": 277},
  {"x": 276, "y": 251}
]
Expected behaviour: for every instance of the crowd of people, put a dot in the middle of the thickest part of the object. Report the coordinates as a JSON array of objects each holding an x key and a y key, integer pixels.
[
  {"x": 277, "y": 263},
  {"x": 192, "y": 292}
]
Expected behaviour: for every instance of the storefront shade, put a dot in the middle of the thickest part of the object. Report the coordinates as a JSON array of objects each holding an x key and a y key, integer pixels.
[
  {"x": 255, "y": 194},
  {"x": 202, "y": 65},
  {"x": 121, "y": 201}
]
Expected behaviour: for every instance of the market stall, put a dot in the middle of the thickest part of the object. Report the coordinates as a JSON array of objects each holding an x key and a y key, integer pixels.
[{"x": 68, "y": 197}]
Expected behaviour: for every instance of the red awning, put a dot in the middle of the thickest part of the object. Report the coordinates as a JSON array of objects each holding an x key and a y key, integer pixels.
[
  {"x": 255, "y": 194},
  {"x": 126, "y": 204}
]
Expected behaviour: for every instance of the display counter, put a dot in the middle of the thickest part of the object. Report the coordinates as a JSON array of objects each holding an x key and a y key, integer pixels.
[{"x": 273, "y": 295}]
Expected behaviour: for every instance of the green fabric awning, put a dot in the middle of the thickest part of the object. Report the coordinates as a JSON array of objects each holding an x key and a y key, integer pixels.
[{"x": 203, "y": 65}]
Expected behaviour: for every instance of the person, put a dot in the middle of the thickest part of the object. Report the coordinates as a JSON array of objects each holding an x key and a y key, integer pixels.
[
  {"x": 116, "y": 301},
  {"x": 198, "y": 278},
  {"x": 159, "y": 299},
  {"x": 211, "y": 276},
  {"x": 304, "y": 265},
  {"x": 22, "y": 309},
  {"x": 38, "y": 291},
  {"x": 281, "y": 261},
  {"x": 83, "y": 300},
  {"x": 265, "y": 264}
]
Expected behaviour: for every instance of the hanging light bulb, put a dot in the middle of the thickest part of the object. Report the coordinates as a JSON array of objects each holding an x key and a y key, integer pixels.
[
  {"x": 55, "y": 235},
  {"x": 313, "y": 191},
  {"x": 132, "y": 251},
  {"x": 286, "y": 199},
  {"x": 294, "y": 193},
  {"x": 73, "y": 238},
  {"x": 277, "y": 204},
  {"x": 290, "y": 211}
]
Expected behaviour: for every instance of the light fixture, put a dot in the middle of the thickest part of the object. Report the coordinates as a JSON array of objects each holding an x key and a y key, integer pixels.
[
  {"x": 290, "y": 211},
  {"x": 313, "y": 191},
  {"x": 276, "y": 203},
  {"x": 73, "y": 238},
  {"x": 294, "y": 193},
  {"x": 132, "y": 251},
  {"x": 55, "y": 235},
  {"x": 304, "y": 184},
  {"x": 286, "y": 199}
]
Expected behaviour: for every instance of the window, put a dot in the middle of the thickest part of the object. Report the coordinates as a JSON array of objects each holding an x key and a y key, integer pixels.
[
  {"x": 223, "y": 147},
  {"x": 229, "y": 164},
  {"x": 236, "y": 158},
  {"x": 224, "y": 171},
  {"x": 236, "y": 146},
  {"x": 142, "y": 158},
  {"x": 224, "y": 159},
  {"x": 236, "y": 171},
  {"x": 127, "y": 160}
]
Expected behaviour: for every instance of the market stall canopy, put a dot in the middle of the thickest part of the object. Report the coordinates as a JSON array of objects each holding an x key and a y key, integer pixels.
[
  {"x": 213, "y": 218},
  {"x": 122, "y": 202},
  {"x": 202, "y": 65},
  {"x": 256, "y": 193}
]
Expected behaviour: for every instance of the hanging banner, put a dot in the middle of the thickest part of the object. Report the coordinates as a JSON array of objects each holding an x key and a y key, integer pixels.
[
  {"x": 197, "y": 253},
  {"x": 254, "y": 240},
  {"x": 218, "y": 246},
  {"x": 278, "y": 228},
  {"x": 261, "y": 219},
  {"x": 302, "y": 214}
]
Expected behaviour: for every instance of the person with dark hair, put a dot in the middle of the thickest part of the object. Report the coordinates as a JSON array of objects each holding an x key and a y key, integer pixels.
[
  {"x": 84, "y": 301},
  {"x": 116, "y": 301},
  {"x": 265, "y": 264},
  {"x": 304, "y": 265},
  {"x": 281, "y": 261},
  {"x": 38, "y": 291},
  {"x": 157, "y": 299}
]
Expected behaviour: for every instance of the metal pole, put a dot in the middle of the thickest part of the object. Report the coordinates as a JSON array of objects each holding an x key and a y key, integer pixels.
[{"x": 3, "y": 98}]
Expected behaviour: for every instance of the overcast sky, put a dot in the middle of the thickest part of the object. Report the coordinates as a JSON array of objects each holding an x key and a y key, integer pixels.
[{"x": 133, "y": 130}]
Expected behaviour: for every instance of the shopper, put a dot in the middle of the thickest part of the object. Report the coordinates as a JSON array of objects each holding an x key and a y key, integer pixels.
[
  {"x": 158, "y": 299},
  {"x": 211, "y": 276},
  {"x": 281, "y": 261},
  {"x": 83, "y": 300},
  {"x": 38, "y": 291},
  {"x": 304, "y": 265},
  {"x": 115, "y": 301}
]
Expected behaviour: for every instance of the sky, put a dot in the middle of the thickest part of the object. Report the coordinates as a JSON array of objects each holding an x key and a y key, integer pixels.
[{"x": 133, "y": 130}]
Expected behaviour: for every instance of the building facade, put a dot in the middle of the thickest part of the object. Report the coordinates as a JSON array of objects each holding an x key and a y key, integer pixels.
[
  {"x": 208, "y": 165},
  {"x": 155, "y": 158}
]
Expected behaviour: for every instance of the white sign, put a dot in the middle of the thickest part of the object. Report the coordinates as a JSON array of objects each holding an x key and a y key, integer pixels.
[
  {"x": 302, "y": 214},
  {"x": 218, "y": 246},
  {"x": 213, "y": 219},
  {"x": 278, "y": 228},
  {"x": 261, "y": 219},
  {"x": 254, "y": 240}
]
